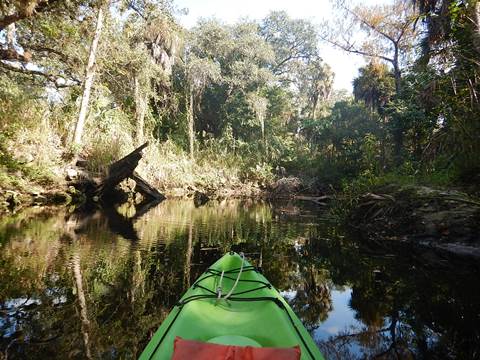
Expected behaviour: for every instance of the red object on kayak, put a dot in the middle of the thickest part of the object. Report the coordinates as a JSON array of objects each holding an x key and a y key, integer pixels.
[{"x": 197, "y": 350}]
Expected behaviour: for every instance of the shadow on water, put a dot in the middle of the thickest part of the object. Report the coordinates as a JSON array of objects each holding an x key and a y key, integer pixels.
[{"x": 98, "y": 286}]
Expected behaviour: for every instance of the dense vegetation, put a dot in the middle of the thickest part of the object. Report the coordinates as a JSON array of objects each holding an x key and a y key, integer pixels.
[{"x": 230, "y": 104}]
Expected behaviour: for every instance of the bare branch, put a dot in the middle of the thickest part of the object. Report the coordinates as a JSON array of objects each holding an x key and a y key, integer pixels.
[
  {"x": 44, "y": 51},
  {"x": 54, "y": 79},
  {"x": 405, "y": 26},
  {"x": 132, "y": 6},
  {"x": 351, "y": 49},
  {"x": 368, "y": 24}
]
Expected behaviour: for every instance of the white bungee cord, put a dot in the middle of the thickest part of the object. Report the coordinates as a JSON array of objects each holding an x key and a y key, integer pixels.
[{"x": 219, "y": 287}]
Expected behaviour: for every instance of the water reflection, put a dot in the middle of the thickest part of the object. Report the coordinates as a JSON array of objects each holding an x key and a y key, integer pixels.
[{"x": 98, "y": 286}]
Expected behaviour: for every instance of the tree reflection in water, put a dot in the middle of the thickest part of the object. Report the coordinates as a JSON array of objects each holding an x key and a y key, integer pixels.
[
  {"x": 76, "y": 286},
  {"x": 408, "y": 307}
]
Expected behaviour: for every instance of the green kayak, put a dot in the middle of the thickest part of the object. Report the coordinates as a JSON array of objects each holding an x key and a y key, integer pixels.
[{"x": 232, "y": 303}]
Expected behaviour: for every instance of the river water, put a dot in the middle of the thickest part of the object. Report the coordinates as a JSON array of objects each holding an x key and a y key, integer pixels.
[{"x": 97, "y": 286}]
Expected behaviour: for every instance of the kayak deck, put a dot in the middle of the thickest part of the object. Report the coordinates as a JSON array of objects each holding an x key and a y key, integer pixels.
[{"x": 254, "y": 314}]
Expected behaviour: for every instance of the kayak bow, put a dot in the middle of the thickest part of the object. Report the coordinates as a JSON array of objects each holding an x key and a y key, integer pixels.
[{"x": 232, "y": 303}]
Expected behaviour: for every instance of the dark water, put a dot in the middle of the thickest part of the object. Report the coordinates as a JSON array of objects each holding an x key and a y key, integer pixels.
[{"x": 98, "y": 286}]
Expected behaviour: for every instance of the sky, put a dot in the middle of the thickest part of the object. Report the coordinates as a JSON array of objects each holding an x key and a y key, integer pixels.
[{"x": 344, "y": 65}]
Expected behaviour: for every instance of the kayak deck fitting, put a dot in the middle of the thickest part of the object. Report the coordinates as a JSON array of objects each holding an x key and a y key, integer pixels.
[{"x": 232, "y": 303}]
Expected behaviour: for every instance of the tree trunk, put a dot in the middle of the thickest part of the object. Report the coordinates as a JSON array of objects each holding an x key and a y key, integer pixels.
[
  {"x": 191, "y": 130},
  {"x": 398, "y": 132},
  {"x": 398, "y": 76},
  {"x": 383, "y": 151},
  {"x": 138, "y": 278},
  {"x": 476, "y": 23},
  {"x": 140, "y": 109},
  {"x": 188, "y": 256},
  {"x": 417, "y": 143},
  {"x": 314, "y": 107},
  {"x": 262, "y": 126},
  {"x": 77, "y": 273},
  {"x": 398, "y": 143},
  {"x": 11, "y": 36},
  {"x": 87, "y": 85}
]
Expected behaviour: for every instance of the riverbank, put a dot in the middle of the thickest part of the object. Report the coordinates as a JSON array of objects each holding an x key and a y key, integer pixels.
[
  {"x": 444, "y": 221},
  {"x": 16, "y": 196},
  {"x": 70, "y": 192},
  {"x": 18, "y": 190},
  {"x": 27, "y": 179}
]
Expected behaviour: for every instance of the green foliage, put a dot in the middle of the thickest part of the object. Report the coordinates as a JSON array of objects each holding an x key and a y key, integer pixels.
[
  {"x": 262, "y": 174},
  {"x": 108, "y": 136},
  {"x": 375, "y": 85},
  {"x": 28, "y": 141},
  {"x": 292, "y": 40},
  {"x": 346, "y": 141},
  {"x": 450, "y": 48},
  {"x": 255, "y": 96},
  {"x": 246, "y": 119}
]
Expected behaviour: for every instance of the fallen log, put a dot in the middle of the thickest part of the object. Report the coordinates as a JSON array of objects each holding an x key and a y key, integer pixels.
[
  {"x": 125, "y": 168},
  {"x": 144, "y": 188},
  {"x": 316, "y": 199},
  {"x": 121, "y": 169}
]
